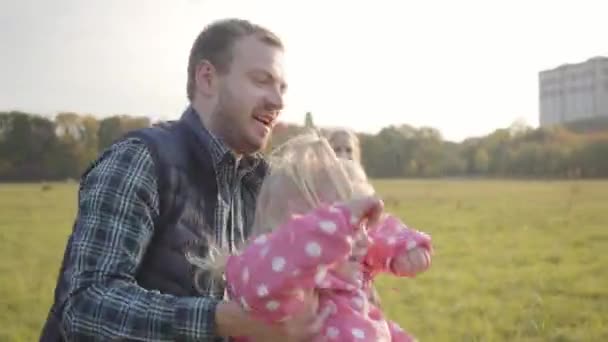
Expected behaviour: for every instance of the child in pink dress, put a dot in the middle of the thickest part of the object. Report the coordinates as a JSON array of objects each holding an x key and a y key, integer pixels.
[{"x": 308, "y": 234}]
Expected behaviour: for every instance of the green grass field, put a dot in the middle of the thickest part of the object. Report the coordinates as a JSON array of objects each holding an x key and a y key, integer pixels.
[{"x": 515, "y": 261}]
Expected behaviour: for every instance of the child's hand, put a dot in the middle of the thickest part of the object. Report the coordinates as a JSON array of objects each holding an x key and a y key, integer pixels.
[
  {"x": 414, "y": 261},
  {"x": 365, "y": 210},
  {"x": 350, "y": 271},
  {"x": 361, "y": 243}
]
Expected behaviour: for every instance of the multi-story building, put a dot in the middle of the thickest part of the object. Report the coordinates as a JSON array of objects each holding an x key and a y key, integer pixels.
[{"x": 574, "y": 91}]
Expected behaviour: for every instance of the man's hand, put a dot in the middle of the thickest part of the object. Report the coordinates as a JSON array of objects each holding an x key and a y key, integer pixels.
[
  {"x": 233, "y": 321},
  {"x": 305, "y": 324},
  {"x": 413, "y": 261}
]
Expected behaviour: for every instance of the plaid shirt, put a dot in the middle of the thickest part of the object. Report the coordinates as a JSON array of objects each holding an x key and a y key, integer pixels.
[{"x": 118, "y": 203}]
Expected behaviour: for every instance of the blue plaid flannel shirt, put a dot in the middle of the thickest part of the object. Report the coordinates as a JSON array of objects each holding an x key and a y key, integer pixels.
[{"x": 118, "y": 202}]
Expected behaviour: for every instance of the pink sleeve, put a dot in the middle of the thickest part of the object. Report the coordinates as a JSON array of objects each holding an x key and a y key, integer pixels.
[
  {"x": 268, "y": 275},
  {"x": 389, "y": 239}
]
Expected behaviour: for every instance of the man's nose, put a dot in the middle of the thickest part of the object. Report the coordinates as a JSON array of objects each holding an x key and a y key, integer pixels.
[{"x": 274, "y": 100}]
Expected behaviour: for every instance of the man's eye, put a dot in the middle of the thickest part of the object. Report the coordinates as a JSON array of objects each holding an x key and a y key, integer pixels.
[{"x": 262, "y": 80}]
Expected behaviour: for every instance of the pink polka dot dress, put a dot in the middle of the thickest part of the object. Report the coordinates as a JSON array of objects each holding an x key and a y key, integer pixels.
[{"x": 269, "y": 277}]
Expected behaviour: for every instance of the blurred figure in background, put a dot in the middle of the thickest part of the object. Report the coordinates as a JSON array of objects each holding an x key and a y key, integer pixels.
[{"x": 346, "y": 144}]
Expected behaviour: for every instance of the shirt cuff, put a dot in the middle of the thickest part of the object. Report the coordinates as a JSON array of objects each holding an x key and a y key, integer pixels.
[{"x": 195, "y": 319}]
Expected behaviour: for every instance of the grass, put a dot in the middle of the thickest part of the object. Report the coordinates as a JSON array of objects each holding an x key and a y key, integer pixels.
[{"x": 515, "y": 261}]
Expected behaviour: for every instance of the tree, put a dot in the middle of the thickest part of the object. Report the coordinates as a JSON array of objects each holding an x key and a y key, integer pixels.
[
  {"x": 519, "y": 127},
  {"x": 112, "y": 128},
  {"x": 28, "y": 144},
  {"x": 481, "y": 161}
]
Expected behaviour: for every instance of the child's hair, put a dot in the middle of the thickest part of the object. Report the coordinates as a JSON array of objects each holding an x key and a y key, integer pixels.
[
  {"x": 337, "y": 138},
  {"x": 305, "y": 173},
  {"x": 358, "y": 178}
]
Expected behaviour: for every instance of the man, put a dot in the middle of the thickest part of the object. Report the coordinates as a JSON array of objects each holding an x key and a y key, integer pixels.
[{"x": 156, "y": 195}]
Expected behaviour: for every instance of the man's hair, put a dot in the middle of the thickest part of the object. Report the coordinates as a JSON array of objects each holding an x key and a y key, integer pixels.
[{"x": 215, "y": 44}]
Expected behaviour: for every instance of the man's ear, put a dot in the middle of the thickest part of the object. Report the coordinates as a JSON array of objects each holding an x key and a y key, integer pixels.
[{"x": 206, "y": 78}]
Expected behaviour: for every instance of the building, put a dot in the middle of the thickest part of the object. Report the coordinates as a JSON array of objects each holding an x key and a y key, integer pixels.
[{"x": 574, "y": 91}]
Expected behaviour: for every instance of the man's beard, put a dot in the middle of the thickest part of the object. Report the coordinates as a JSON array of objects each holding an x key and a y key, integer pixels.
[{"x": 225, "y": 118}]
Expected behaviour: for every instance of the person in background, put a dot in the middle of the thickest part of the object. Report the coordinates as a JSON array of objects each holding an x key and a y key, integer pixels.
[{"x": 346, "y": 144}]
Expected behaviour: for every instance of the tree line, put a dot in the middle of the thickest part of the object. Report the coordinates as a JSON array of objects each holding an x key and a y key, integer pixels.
[
  {"x": 513, "y": 152},
  {"x": 36, "y": 148}
]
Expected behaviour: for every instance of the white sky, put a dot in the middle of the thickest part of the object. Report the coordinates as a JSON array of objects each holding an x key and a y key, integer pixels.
[{"x": 465, "y": 67}]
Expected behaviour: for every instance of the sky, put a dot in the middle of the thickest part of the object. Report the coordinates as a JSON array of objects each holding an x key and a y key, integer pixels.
[{"x": 464, "y": 67}]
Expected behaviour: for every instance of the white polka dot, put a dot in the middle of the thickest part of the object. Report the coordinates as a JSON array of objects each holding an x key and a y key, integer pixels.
[
  {"x": 350, "y": 287},
  {"x": 354, "y": 220},
  {"x": 332, "y": 332},
  {"x": 411, "y": 244},
  {"x": 272, "y": 305},
  {"x": 328, "y": 226},
  {"x": 313, "y": 249},
  {"x": 278, "y": 264},
  {"x": 358, "y": 333},
  {"x": 262, "y": 291},
  {"x": 334, "y": 210},
  {"x": 245, "y": 275},
  {"x": 264, "y": 251},
  {"x": 391, "y": 240},
  {"x": 260, "y": 240},
  {"x": 357, "y": 302},
  {"x": 320, "y": 276},
  {"x": 296, "y": 273}
]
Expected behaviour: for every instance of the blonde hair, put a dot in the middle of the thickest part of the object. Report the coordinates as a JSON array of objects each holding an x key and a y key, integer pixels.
[
  {"x": 351, "y": 136},
  {"x": 305, "y": 173}
]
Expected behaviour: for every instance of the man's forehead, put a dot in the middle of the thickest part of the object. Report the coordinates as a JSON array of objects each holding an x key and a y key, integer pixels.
[{"x": 254, "y": 54}]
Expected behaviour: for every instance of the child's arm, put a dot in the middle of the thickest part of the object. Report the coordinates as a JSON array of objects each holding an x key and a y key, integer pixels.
[
  {"x": 272, "y": 273},
  {"x": 394, "y": 245}
]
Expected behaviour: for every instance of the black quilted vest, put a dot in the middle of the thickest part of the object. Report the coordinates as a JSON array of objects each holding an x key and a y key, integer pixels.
[{"x": 188, "y": 198}]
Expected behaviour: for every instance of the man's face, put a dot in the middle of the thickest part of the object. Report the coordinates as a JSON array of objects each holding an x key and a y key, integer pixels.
[{"x": 251, "y": 95}]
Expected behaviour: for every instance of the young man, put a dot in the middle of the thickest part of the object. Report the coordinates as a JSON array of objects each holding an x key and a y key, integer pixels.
[{"x": 159, "y": 193}]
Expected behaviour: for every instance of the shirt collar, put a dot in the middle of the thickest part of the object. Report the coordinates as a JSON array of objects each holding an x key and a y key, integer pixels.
[{"x": 219, "y": 150}]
